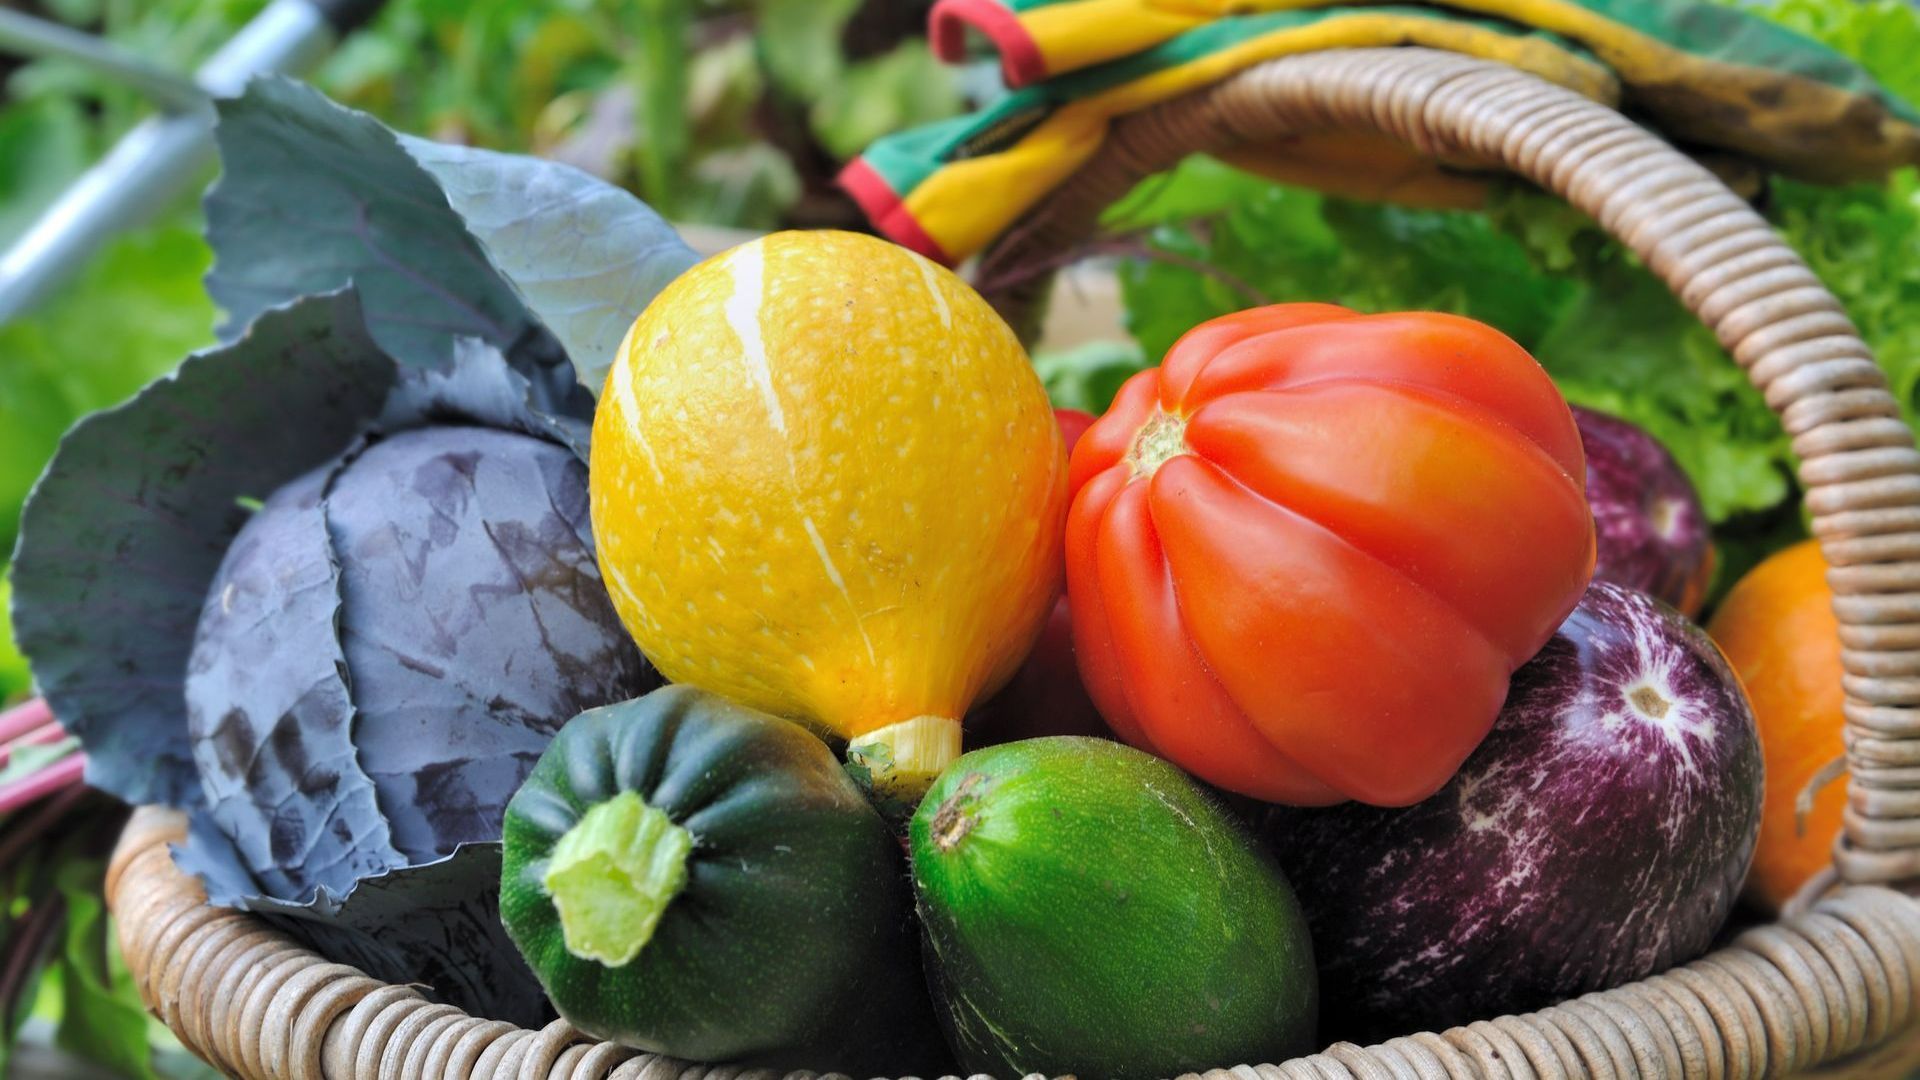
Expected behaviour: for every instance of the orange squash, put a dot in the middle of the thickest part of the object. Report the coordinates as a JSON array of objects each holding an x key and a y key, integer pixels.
[{"x": 1778, "y": 629}]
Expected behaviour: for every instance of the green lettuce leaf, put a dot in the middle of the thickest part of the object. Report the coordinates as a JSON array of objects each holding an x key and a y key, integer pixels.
[
  {"x": 1267, "y": 243},
  {"x": 1882, "y": 36},
  {"x": 1864, "y": 242},
  {"x": 1624, "y": 345}
]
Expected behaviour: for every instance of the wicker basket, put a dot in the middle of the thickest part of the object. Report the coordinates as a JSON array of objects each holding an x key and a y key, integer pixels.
[{"x": 1840, "y": 976}]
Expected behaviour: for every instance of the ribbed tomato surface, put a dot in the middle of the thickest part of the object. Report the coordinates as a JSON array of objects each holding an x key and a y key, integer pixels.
[{"x": 1306, "y": 552}]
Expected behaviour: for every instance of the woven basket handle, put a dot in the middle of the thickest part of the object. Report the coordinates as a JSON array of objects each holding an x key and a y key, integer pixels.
[{"x": 1857, "y": 457}]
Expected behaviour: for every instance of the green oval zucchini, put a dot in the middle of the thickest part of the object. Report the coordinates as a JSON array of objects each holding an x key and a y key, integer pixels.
[{"x": 1088, "y": 910}]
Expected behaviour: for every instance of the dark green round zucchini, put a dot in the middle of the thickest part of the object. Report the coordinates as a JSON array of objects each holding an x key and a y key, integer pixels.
[
  {"x": 1088, "y": 910},
  {"x": 699, "y": 879}
]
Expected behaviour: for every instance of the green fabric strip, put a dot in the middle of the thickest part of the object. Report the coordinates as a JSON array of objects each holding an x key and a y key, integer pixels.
[
  {"x": 1702, "y": 29},
  {"x": 1699, "y": 27},
  {"x": 907, "y": 158},
  {"x": 1736, "y": 37}
]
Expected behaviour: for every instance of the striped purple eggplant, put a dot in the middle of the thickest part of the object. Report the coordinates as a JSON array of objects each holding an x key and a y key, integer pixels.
[
  {"x": 1652, "y": 532},
  {"x": 1599, "y": 835}
]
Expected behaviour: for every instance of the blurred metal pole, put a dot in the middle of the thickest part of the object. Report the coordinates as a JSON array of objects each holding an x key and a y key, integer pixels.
[{"x": 158, "y": 161}]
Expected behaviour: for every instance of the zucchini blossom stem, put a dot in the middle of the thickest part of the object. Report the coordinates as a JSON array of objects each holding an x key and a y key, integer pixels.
[{"x": 612, "y": 876}]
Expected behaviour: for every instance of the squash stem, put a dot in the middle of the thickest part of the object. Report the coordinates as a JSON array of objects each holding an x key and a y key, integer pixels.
[
  {"x": 612, "y": 876},
  {"x": 904, "y": 758}
]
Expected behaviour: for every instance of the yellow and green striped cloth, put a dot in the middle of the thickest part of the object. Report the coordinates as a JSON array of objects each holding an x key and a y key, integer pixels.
[{"x": 1712, "y": 78}]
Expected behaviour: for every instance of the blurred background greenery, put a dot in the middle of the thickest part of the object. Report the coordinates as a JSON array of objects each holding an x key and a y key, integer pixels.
[{"x": 745, "y": 128}]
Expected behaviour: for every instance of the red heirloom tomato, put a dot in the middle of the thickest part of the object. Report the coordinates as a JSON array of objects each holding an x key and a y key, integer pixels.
[{"x": 1306, "y": 553}]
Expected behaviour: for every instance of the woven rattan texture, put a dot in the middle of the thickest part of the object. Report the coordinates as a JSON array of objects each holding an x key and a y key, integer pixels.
[
  {"x": 259, "y": 1006},
  {"x": 1839, "y": 976}
]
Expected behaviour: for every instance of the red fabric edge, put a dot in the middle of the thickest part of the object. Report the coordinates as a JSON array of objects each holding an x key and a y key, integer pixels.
[
  {"x": 1020, "y": 61},
  {"x": 885, "y": 209}
]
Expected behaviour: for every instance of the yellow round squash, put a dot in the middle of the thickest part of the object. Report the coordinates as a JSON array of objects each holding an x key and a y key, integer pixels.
[{"x": 827, "y": 484}]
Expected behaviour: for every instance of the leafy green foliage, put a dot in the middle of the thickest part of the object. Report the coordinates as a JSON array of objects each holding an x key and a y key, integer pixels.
[
  {"x": 850, "y": 102},
  {"x": 1881, "y": 35},
  {"x": 799, "y": 42},
  {"x": 1087, "y": 376},
  {"x": 56, "y": 956},
  {"x": 899, "y": 89},
  {"x": 1264, "y": 242},
  {"x": 480, "y": 72},
  {"x": 26, "y": 928},
  {"x": 669, "y": 97},
  {"x": 1864, "y": 242},
  {"x": 130, "y": 317},
  {"x": 172, "y": 34},
  {"x": 1607, "y": 330},
  {"x": 101, "y": 1018},
  {"x": 660, "y": 73},
  {"x": 43, "y": 146},
  {"x": 1624, "y": 346},
  {"x": 15, "y": 679}
]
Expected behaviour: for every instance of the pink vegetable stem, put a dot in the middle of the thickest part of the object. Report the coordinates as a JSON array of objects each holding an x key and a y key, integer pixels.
[
  {"x": 21, "y": 719},
  {"x": 40, "y": 736},
  {"x": 33, "y": 826},
  {"x": 65, "y": 773}
]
